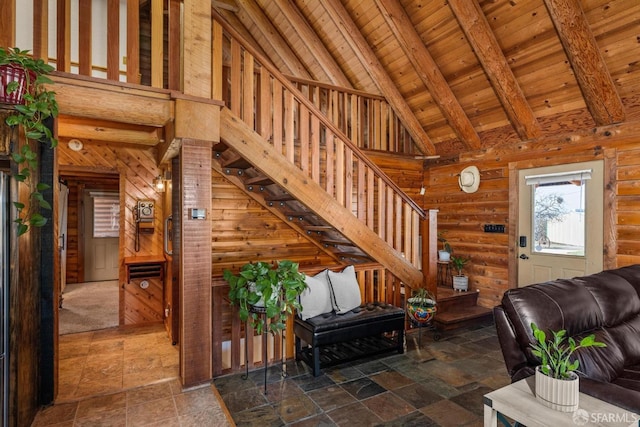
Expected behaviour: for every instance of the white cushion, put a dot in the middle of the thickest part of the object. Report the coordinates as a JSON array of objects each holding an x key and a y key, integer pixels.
[
  {"x": 315, "y": 300},
  {"x": 346, "y": 291}
]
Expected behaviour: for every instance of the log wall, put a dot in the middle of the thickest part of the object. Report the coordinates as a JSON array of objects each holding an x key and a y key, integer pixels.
[
  {"x": 463, "y": 215},
  {"x": 244, "y": 231}
]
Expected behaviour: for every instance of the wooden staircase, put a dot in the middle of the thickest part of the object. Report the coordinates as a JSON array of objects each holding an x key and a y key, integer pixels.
[
  {"x": 459, "y": 309},
  {"x": 285, "y": 153}
]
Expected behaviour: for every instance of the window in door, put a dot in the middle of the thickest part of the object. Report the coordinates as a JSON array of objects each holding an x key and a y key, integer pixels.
[{"x": 559, "y": 212}]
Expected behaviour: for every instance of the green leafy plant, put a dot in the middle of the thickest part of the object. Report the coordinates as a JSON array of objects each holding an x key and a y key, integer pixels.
[
  {"x": 272, "y": 290},
  {"x": 459, "y": 262},
  {"x": 555, "y": 354},
  {"x": 39, "y": 105},
  {"x": 422, "y": 296},
  {"x": 445, "y": 244}
]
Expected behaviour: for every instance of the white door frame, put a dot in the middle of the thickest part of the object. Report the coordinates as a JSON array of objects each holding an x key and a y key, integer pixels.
[{"x": 609, "y": 157}]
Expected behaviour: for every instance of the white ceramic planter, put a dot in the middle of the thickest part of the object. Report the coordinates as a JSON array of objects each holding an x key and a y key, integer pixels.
[
  {"x": 561, "y": 395},
  {"x": 460, "y": 283},
  {"x": 444, "y": 255}
]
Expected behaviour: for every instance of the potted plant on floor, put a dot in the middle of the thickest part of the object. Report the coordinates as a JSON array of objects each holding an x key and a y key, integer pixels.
[
  {"x": 444, "y": 254},
  {"x": 557, "y": 384},
  {"x": 260, "y": 288},
  {"x": 460, "y": 281},
  {"x": 22, "y": 84},
  {"x": 421, "y": 306}
]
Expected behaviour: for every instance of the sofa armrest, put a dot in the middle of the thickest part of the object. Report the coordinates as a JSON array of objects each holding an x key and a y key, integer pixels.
[{"x": 514, "y": 358}]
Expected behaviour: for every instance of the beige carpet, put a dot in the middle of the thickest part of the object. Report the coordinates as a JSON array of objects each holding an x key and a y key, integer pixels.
[{"x": 89, "y": 306}]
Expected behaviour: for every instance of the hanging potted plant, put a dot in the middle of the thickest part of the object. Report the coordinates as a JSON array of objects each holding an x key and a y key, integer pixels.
[
  {"x": 22, "y": 84},
  {"x": 444, "y": 254},
  {"x": 557, "y": 384},
  {"x": 421, "y": 306},
  {"x": 460, "y": 281},
  {"x": 259, "y": 289}
]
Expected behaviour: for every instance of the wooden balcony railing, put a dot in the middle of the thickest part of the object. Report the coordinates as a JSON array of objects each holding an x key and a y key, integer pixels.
[
  {"x": 256, "y": 92},
  {"x": 376, "y": 284},
  {"x": 367, "y": 120}
]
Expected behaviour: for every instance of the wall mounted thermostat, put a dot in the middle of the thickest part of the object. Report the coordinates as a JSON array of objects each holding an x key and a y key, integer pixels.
[{"x": 198, "y": 213}]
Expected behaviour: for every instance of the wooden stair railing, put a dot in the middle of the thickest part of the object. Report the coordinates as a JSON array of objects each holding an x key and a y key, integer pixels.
[
  {"x": 368, "y": 120},
  {"x": 290, "y": 137}
]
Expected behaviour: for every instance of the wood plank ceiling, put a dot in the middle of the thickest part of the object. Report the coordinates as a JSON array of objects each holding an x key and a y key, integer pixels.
[{"x": 465, "y": 75}]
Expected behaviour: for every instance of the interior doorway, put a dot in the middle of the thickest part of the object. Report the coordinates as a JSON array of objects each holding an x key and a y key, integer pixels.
[
  {"x": 101, "y": 213},
  {"x": 560, "y": 221}
]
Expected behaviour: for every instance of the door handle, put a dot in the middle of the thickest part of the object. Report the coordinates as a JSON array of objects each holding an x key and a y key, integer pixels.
[
  {"x": 523, "y": 256},
  {"x": 168, "y": 220}
]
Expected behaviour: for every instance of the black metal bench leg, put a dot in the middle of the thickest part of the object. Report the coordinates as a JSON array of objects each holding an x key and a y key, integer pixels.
[
  {"x": 400, "y": 341},
  {"x": 316, "y": 360},
  {"x": 298, "y": 349}
]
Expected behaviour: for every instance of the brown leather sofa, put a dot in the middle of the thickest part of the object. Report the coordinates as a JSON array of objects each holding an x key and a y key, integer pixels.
[{"x": 606, "y": 304}]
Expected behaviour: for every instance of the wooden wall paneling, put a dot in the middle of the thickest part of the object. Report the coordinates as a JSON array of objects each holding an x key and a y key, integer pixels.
[{"x": 195, "y": 270}]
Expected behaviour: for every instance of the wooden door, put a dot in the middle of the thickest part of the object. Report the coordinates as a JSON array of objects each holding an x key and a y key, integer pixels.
[{"x": 101, "y": 250}]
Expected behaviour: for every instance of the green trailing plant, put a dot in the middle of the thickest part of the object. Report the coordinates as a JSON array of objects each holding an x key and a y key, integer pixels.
[
  {"x": 39, "y": 105},
  {"x": 459, "y": 263},
  {"x": 555, "y": 354},
  {"x": 273, "y": 290}
]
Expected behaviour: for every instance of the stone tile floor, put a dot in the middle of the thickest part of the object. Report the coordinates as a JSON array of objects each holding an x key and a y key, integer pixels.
[
  {"x": 439, "y": 383},
  {"x": 121, "y": 377},
  {"x": 126, "y": 376}
]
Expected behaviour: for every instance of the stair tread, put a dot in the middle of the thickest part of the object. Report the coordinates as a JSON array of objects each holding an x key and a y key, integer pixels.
[
  {"x": 463, "y": 313},
  {"x": 259, "y": 180}
]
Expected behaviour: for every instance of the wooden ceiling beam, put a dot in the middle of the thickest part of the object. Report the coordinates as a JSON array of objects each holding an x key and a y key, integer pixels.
[
  {"x": 367, "y": 57},
  {"x": 591, "y": 71},
  {"x": 104, "y": 131},
  {"x": 486, "y": 47},
  {"x": 270, "y": 32},
  {"x": 313, "y": 43},
  {"x": 428, "y": 71}
]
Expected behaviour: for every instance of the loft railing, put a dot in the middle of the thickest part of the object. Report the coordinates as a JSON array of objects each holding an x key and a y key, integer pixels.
[
  {"x": 256, "y": 92},
  {"x": 376, "y": 284},
  {"x": 134, "y": 41},
  {"x": 367, "y": 120}
]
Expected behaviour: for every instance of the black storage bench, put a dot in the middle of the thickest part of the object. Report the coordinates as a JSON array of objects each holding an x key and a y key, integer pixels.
[{"x": 332, "y": 338}]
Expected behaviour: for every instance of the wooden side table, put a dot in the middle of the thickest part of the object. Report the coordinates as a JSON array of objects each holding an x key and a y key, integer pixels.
[
  {"x": 444, "y": 276},
  {"x": 518, "y": 402}
]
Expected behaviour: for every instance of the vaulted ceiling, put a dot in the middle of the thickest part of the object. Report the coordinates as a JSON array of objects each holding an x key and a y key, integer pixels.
[{"x": 468, "y": 74}]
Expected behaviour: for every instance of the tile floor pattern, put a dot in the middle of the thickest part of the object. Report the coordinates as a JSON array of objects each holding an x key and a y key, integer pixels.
[
  {"x": 440, "y": 383},
  {"x": 126, "y": 377}
]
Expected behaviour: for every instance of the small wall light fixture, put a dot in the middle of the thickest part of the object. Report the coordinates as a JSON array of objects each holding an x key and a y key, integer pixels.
[{"x": 159, "y": 184}]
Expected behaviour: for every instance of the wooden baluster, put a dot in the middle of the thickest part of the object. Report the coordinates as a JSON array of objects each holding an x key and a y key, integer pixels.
[
  {"x": 370, "y": 195},
  {"x": 408, "y": 235},
  {"x": 236, "y": 69},
  {"x": 289, "y": 126},
  {"x": 340, "y": 172},
  {"x": 304, "y": 129},
  {"x": 397, "y": 230},
  {"x": 266, "y": 102},
  {"x": 315, "y": 149},
  {"x": 415, "y": 233},
  {"x": 329, "y": 165},
  {"x": 217, "y": 46},
  {"x": 382, "y": 212},
  {"x": 248, "y": 89},
  {"x": 278, "y": 114}
]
